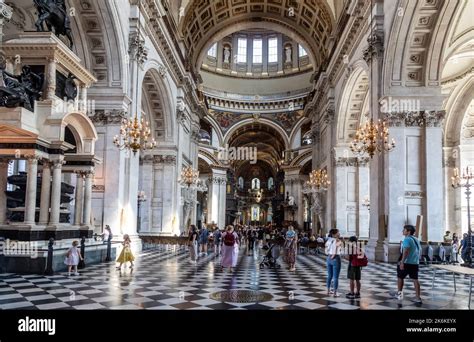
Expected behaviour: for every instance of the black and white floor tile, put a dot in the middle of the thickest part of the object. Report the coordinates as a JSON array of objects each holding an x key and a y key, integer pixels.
[{"x": 165, "y": 279}]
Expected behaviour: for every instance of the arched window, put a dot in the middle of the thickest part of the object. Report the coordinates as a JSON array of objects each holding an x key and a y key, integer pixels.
[
  {"x": 212, "y": 52},
  {"x": 240, "y": 183},
  {"x": 271, "y": 185},
  {"x": 255, "y": 184}
]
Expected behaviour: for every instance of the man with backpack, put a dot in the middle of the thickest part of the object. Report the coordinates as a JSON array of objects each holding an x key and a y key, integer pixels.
[
  {"x": 217, "y": 241},
  {"x": 409, "y": 262}
]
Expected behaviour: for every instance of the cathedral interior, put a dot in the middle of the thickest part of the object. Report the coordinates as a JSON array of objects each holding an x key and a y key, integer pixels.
[{"x": 146, "y": 118}]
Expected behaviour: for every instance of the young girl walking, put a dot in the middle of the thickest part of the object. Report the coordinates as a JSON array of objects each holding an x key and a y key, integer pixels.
[
  {"x": 126, "y": 254},
  {"x": 73, "y": 256}
]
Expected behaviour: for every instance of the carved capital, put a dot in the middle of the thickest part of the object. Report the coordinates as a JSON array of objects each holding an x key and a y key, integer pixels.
[
  {"x": 105, "y": 117},
  {"x": 32, "y": 158},
  {"x": 137, "y": 49},
  {"x": 329, "y": 116},
  {"x": 375, "y": 47},
  {"x": 434, "y": 118},
  {"x": 57, "y": 164},
  {"x": 6, "y": 12},
  {"x": 164, "y": 159},
  {"x": 415, "y": 119},
  {"x": 217, "y": 180}
]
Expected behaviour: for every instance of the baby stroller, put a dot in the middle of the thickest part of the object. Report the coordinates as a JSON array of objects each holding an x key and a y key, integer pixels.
[{"x": 271, "y": 257}]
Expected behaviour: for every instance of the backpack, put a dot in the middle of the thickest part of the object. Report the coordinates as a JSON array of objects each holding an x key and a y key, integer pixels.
[{"x": 229, "y": 239}]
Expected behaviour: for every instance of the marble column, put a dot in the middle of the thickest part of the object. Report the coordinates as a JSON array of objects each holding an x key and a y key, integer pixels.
[
  {"x": 86, "y": 217},
  {"x": 51, "y": 80},
  {"x": 363, "y": 193},
  {"x": 293, "y": 186},
  {"x": 374, "y": 56},
  {"x": 56, "y": 193},
  {"x": 31, "y": 187},
  {"x": 79, "y": 198},
  {"x": 217, "y": 197},
  {"x": 45, "y": 193},
  {"x": 4, "y": 162},
  {"x": 434, "y": 192},
  {"x": 340, "y": 193}
]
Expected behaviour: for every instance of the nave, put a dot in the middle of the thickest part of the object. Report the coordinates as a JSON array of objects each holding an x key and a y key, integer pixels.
[{"x": 164, "y": 278}]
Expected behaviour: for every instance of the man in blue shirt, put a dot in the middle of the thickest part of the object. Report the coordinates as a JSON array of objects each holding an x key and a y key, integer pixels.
[{"x": 409, "y": 262}]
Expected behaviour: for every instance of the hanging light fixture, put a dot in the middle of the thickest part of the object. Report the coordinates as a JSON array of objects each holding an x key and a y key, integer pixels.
[
  {"x": 134, "y": 132},
  {"x": 134, "y": 135},
  {"x": 189, "y": 176},
  {"x": 318, "y": 181},
  {"x": 372, "y": 137}
]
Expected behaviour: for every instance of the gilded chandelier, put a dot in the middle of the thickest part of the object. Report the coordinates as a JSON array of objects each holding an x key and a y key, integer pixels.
[
  {"x": 318, "y": 180},
  {"x": 189, "y": 176},
  {"x": 134, "y": 135},
  {"x": 371, "y": 138}
]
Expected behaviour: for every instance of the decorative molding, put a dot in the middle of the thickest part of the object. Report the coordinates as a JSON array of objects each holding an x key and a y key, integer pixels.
[
  {"x": 414, "y": 194},
  {"x": 164, "y": 159},
  {"x": 351, "y": 208},
  {"x": 6, "y": 12},
  {"x": 98, "y": 188},
  {"x": 106, "y": 117},
  {"x": 137, "y": 49},
  {"x": 375, "y": 47},
  {"x": 449, "y": 162},
  {"x": 434, "y": 118},
  {"x": 415, "y": 119},
  {"x": 352, "y": 161},
  {"x": 459, "y": 77},
  {"x": 217, "y": 180}
]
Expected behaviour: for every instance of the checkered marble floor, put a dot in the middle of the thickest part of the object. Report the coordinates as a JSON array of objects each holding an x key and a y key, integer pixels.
[{"x": 165, "y": 279}]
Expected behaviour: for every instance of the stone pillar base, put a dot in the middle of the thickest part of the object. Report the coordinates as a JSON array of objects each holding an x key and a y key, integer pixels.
[
  {"x": 391, "y": 252},
  {"x": 375, "y": 250}
]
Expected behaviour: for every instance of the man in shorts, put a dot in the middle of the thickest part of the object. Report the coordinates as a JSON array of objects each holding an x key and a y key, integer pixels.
[{"x": 409, "y": 262}]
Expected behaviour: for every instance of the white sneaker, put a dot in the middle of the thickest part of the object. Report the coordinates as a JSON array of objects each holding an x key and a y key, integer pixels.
[
  {"x": 77, "y": 273},
  {"x": 69, "y": 274},
  {"x": 399, "y": 295}
]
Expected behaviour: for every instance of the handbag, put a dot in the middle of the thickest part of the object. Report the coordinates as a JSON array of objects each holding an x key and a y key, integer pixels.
[{"x": 357, "y": 261}]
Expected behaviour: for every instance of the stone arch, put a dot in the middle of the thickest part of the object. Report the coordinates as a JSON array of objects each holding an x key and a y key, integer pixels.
[
  {"x": 413, "y": 53},
  {"x": 156, "y": 102},
  {"x": 265, "y": 122},
  {"x": 83, "y": 130},
  {"x": 294, "y": 131},
  {"x": 302, "y": 159},
  {"x": 351, "y": 105},
  {"x": 456, "y": 108}
]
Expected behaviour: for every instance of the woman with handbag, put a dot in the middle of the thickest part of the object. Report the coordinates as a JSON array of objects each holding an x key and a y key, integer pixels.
[{"x": 357, "y": 260}]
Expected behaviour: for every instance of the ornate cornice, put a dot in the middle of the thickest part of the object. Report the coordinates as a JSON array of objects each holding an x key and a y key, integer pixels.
[
  {"x": 98, "y": 188},
  {"x": 107, "y": 117}
]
